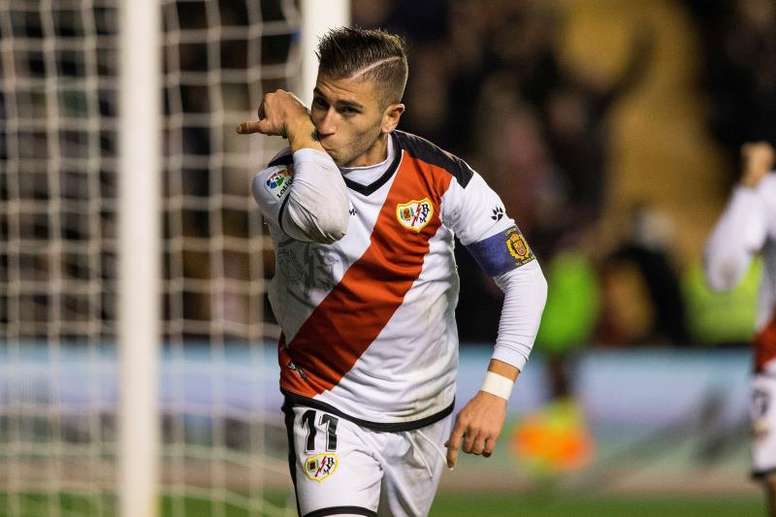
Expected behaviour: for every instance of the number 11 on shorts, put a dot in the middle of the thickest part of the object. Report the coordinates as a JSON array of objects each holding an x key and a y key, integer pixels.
[{"x": 330, "y": 421}]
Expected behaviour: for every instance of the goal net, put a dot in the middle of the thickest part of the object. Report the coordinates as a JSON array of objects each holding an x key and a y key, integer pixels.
[{"x": 222, "y": 449}]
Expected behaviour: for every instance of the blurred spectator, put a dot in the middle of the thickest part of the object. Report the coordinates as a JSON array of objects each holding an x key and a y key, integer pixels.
[
  {"x": 642, "y": 297},
  {"x": 575, "y": 113}
]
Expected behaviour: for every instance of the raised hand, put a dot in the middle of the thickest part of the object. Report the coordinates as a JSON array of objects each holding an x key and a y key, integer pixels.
[
  {"x": 282, "y": 114},
  {"x": 757, "y": 159}
]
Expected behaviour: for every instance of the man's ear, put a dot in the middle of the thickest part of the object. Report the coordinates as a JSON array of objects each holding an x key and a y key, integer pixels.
[{"x": 391, "y": 117}]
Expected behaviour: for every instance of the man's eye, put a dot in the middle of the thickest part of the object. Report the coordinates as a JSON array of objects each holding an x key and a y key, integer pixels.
[{"x": 319, "y": 103}]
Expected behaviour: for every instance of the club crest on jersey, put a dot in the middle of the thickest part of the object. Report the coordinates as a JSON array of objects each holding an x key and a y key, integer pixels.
[
  {"x": 278, "y": 182},
  {"x": 320, "y": 466},
  {"x": 517, "y": 247},
  {"x": 415, "y": 215}
]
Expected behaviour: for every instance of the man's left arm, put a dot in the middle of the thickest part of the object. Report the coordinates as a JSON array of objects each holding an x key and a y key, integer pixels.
[
  {"x": 476, "y": 215},
  {"x": 479, "y": 424}
]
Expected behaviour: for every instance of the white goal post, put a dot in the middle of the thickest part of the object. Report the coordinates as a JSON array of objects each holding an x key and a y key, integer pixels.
[
  {"x": 140, "y": 110},
  {"x": 136, "y": 361},
  {"x": 315, "y": 22},
  {"x": 140, "y": 114}
]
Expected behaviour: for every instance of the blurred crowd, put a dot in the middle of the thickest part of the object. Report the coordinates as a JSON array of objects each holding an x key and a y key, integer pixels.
[
  {"x": 739, "y": 69},
  {"x": 488, "y": 82}
]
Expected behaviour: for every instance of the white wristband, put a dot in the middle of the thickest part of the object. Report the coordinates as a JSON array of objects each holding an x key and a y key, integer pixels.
[{"x": 497, "y": 385}]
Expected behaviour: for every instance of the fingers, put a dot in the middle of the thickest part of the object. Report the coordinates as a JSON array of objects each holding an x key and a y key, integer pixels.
[
  {"x": 470, "y": 440},
  {"x": 256, "y": 126},
  {"x": 478, "y": 444},
  {"x": 453, "y": 444},
  {"x": 261, "y": 126},
  {"x": 490, "y": 444},
  {"x": 477, "y": 427},
  {"x": 278, "y": 111},
  {"x": 249, "y": 127}
]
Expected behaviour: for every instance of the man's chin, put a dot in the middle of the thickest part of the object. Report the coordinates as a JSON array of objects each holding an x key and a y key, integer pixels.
[{"x": 334, "y": 156}]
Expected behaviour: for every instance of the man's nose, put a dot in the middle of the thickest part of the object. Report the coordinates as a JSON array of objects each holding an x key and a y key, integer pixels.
[{"x": 327, "y": 126}]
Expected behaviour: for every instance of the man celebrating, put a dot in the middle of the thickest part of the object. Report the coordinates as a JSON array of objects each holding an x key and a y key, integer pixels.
[
  {"x": 747, "y": 227},
  {"x": 363, "y": 218}
]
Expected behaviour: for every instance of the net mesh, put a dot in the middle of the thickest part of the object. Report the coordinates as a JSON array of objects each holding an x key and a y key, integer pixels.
[{"x": 59, "y": 68}]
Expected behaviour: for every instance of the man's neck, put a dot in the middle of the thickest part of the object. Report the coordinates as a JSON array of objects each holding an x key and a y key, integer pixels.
[
  {"x": 377, "y": 153},
  {"x": 368, "y": 174}
]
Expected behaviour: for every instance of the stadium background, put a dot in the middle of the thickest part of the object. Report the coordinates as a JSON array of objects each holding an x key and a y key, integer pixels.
[{"x": 611, "y": 130}]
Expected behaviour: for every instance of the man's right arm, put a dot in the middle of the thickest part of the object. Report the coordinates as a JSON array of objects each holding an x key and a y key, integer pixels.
[{"x": 302, "y": 191}]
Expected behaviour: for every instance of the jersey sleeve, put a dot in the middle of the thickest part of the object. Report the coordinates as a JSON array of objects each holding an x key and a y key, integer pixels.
[
  {"x": 525, "y": 294},
  {"x": 303, "y": 194},
  {"x": 739, "y": 234},
  {"x": 270, "y": 186},
  {"x": 476, "y": 214}
]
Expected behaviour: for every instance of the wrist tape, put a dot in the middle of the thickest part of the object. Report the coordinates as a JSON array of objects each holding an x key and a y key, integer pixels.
[{"x": 497, "y": 385}]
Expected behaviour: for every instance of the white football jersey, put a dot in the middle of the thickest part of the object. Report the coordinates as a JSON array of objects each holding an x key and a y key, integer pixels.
[
  {"x": 747, "y": 227},
  {"x": 368, "y": 321}
]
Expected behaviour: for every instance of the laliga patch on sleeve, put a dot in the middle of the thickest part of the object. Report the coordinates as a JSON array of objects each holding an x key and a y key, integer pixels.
[
  {"x": 501, "y": 252},
  {"x": 278, "y": 182}
]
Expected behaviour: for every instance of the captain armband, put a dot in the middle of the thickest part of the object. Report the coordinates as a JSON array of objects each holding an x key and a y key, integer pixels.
[
  {"x": 501, "y": 252},
  {"x": 497, "y": 385}
]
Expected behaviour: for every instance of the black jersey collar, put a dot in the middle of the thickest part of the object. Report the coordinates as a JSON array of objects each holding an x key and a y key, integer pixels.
[{"x": 379, "y": 182}]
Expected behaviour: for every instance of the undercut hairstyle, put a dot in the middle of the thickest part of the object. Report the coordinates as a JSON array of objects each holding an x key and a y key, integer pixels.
[{"x": 352, "y": 52}]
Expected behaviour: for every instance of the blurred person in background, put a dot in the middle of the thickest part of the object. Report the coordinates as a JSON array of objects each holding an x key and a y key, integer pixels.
[
  {"x": 748, "y": 227},
  {"x": 641, "y": 272},
  {"x": 363, "y": 218}
]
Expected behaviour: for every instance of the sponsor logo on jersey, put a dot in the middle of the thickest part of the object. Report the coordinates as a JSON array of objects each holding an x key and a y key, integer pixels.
[
  {"x": 517, "y": 247},
  {"x": 321, "y": 466},
  {"x": 278, "y": 182},
  {"x": 498, "y": 213},
  {"x": 415, "y": 215}
]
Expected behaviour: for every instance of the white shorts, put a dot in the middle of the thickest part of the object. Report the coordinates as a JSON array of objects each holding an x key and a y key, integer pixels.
[
  {"x": 762, "y": 414},
  {"x": 341, "y": 468}
]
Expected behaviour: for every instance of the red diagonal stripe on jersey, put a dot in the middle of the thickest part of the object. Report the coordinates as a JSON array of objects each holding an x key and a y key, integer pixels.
[{"x": 349, "y": 319}]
